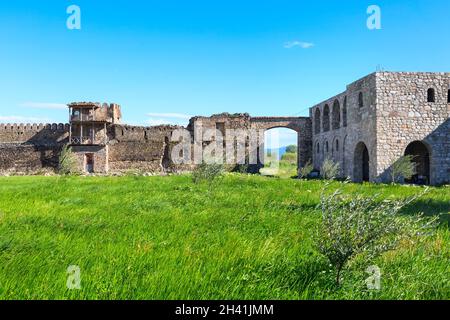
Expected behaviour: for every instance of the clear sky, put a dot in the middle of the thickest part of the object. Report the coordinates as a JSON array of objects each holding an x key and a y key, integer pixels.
[{"x": 166, "y": 60}]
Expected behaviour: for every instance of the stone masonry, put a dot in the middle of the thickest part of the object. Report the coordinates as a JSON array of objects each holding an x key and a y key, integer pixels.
[
  {"x": 382, "y": 117},
  {"x": 365, "y": 129}
]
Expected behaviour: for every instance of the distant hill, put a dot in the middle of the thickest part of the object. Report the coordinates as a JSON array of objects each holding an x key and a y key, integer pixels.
[{"x": 281, "y": 151}]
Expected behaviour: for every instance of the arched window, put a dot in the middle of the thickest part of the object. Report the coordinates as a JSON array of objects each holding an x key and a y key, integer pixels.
[
  {"x": 326, "y": 147},
  {"x": 448, "y": 96},
  {"x": 336, "y": 123},
  {"x": 318, "y": 148},
  {"x": 317, "y": 121},
  {"x": 337, "y": 145},
  {"x": 344, "y": 113},
  {"x": 326, "y": 118},
  {"x": 431, "y": 96},
  {"x": 361, "y": 100}
]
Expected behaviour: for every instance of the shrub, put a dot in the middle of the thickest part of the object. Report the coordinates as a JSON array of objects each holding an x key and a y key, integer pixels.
[
  {"x": 207, "y": 172},
  {"x": 306, "y": 170},
  {"x": 67, "y": 161},
  {"x": 403, "y": 168},
  {"x": 367, "y": 226},
  {"x": 329, "y": 169}
]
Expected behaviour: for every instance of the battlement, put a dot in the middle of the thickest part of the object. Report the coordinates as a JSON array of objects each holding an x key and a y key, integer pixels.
[{"x": 21, "y": 127}]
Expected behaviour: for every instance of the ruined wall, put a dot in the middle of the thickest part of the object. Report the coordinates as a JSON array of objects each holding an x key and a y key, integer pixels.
[
  {"x": 357, "y": 124},
  {"x": 31, "y": 148},
  {"x": 405, "y": 115},
  {"x": 145, "y": 149}
]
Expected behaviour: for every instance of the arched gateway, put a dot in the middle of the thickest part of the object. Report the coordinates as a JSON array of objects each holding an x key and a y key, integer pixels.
[{"x": 302, "y": 125}]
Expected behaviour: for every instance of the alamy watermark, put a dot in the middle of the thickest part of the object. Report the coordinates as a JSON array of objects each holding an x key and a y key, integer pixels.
[
  {"x": 74, "y": 20},
  {"x": 73, "y": 278},
  {"x": 230, "y": 146},
  {"x": 374, "y": 281},
  {"x": 374, "y": 19}
]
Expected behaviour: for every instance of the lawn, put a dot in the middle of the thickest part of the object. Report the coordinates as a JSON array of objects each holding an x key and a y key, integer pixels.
[{"x": 167, "y": 238}]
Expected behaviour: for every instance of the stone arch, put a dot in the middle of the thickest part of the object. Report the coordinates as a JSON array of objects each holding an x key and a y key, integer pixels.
[
  {"x": 431, "y": 95},
  {"x": 336, "y": 115},
  {"x": 317, "y": 121},
  {"x": 344, "y": 113},
  {"x": 326, "y": 119},
  {"x": 302, "y": 125},
  {"x": 361, "y": 163},
  {"x": 422, "y": 159}
]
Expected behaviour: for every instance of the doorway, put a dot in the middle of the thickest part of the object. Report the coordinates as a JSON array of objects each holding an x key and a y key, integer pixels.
[{"x": 89, "y": 162}]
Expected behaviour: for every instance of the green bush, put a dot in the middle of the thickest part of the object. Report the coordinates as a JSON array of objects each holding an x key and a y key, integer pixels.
[
  {"x": 306, "y": 170},
  {"x": 368, "y": 226},
  {"x": 208, "y": 172},
  {"x": 67, "y": 161},
  {"x": 403, "y": 168},
  {"x": 329, "y": 169}
]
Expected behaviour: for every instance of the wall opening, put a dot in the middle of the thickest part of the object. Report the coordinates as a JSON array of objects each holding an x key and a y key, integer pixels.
[
  {"x": 360, "y": 100},
  {"x": 317, "y": 121},
  {"x": 344, "y": 113},
  {"x": 336, "y": 115},
  {"x": 326, "y": 118},
  {"x": 421, "y": 159},
  {"x": 89, "y": 162},
  {"x": 361, "y": 163},
  {"x": 448, "y": 96},
  {"x": 280, "y": 153},
  {"x": 431, "y": 96}
]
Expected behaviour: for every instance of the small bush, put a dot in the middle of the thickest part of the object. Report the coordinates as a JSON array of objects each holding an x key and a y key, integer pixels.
[
  {"x": 67, "y": 161},
  {"x": 306, "y": 170},
  {"x": 329, "y": 169},
  {"x": 403, "y": 168},
  {"x": 207, "y": 172},
  {"x": 367, "y": 226}
]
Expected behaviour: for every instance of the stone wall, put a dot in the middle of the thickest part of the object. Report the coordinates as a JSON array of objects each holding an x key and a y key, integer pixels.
[
  {"x": 356, "y": 124},
  {"x": 394, "y": 113},
  {"x": 31, "y": 148},
  {"x": 404, "y": 115},
  {"x": 145, "y": 149}
]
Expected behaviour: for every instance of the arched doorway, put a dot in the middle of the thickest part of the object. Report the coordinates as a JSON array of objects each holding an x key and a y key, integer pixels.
[
  {"x": 361, "y": 163},
  {"x": 281, "y": 155},
  {"x": 421, "y": 158}
]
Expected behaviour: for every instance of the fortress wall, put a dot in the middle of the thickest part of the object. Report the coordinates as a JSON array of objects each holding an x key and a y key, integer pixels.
[
  {"x": 141, "y": 148},
  {"x": 27, "y": 159},
  {"x": 40, "y": 134},
  {"x": 31, "y": 148}
]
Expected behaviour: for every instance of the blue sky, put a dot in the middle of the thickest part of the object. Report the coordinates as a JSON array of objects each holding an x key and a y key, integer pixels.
[{"x": 166, "y": 60}]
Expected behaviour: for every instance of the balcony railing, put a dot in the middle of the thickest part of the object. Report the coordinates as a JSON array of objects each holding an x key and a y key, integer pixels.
[
  {"x": 82, "y": 117},
  {"x": 88, "y": 141}
]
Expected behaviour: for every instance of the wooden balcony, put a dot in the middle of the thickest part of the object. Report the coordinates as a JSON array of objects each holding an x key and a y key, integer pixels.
[{"x": 81, "y": 141}]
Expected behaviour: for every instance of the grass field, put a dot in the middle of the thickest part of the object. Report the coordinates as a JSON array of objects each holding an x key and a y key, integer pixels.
[{"x": 166, "y": 238}]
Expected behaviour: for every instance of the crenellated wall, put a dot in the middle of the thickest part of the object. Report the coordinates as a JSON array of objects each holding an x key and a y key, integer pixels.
[{"x": 30, "y": 148}]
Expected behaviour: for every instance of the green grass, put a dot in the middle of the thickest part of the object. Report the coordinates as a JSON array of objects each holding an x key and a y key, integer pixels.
[
  {"x": 166, "y": 238},
  {"x": 285, "y": 168}
]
